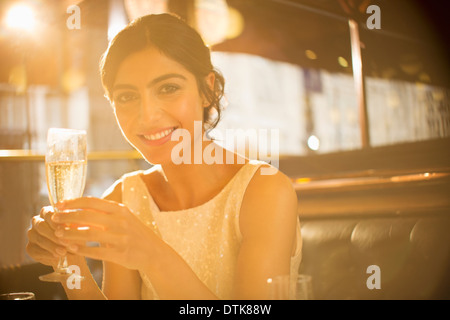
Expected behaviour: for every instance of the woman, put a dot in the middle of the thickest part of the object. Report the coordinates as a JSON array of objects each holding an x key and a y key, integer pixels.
[{"x": 190, "y": 230}]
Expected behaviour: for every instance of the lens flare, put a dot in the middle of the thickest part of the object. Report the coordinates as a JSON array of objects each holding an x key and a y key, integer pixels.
[
  {"x": 313, "y": 143},
  {"x": 21, "y": 17}
]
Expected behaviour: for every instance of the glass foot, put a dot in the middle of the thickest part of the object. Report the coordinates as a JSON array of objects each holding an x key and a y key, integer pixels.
[{"x": 60, "y": 276}]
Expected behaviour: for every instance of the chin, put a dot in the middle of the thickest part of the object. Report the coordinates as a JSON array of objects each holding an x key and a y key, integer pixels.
[{"x": 155, "y": 158}]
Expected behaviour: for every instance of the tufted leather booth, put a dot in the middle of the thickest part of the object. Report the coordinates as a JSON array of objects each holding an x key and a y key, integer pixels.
[
  {"x": 412, "y": 253},
  {"x": 386, "y": 206}
]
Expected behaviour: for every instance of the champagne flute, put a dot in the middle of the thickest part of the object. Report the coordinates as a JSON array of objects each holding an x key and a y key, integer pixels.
[{"x": 65, "y": 163}]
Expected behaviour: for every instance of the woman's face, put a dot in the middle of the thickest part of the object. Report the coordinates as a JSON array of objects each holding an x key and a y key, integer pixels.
[{"x": 152, "y": 96}]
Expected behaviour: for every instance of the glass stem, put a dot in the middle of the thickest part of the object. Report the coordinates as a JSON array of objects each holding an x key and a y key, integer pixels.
[{"x": 62, "y": 265}]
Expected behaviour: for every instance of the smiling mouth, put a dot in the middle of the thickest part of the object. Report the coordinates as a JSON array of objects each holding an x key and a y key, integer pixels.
[{"x": 159, "y": 135}]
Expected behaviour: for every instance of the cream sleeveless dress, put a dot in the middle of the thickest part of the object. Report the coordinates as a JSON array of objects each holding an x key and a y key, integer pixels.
[{"x": 206, "y": 236}]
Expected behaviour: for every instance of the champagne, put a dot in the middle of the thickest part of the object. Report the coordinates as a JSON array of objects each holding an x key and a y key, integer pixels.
[
  {"x": 65, "y": 163},
  {"x": 65, "y": 180}
]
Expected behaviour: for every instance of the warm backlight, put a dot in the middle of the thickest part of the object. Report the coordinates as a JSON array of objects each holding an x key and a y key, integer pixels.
[{"x": 20, "y": 17}]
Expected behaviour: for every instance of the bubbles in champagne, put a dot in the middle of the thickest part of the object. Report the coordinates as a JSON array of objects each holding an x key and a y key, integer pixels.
[{"x": 65, "y": 180}]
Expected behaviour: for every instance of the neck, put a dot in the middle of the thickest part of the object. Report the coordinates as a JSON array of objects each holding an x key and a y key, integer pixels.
[{"x": 191, "y": 182}]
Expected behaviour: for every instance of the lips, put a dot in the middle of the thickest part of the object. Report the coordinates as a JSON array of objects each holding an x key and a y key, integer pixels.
[{"x": 158, "y": 137}]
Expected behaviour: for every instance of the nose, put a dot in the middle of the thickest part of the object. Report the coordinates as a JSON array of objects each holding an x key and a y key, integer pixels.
[{"x": 150, "y": 109}]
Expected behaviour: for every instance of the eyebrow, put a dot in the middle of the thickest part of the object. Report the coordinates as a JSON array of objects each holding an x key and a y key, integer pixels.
[{"x": 151, "y": 83}]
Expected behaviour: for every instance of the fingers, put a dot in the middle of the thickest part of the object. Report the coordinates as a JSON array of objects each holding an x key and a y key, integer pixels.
[
  {"x": 85, "y": 217},
  {"x": 92, "y": 212},
  {"x": 46, "y": 244},
  {"x": 97, "y": 253},
  {"x": 43, "y": 245},
  {"x": 46, "y": 214},
  {"x": 98, "y": 204},
  {"x": 105, "y": 221},
  {"x": 83, "y": 236},
  {"x": 41, "y": 230},
  {"x": 41, "y": 255},
  {"x": 42, "y": 249}
]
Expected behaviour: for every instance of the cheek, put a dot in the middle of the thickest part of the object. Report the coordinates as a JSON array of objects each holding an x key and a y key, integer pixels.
[
  {"x": 124, "y": 121},
  {"x": 189, "y": 109},
  {"x": 121, "y": 118}
]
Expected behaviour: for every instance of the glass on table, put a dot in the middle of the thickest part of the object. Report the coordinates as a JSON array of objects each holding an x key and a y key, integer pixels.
[
  {"x": 18, "y": 296},
  {"x": 285, "y": 287}
]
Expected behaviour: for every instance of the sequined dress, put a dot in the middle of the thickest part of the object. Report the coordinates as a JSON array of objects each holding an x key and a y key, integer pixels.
[{"x": 206, "y": 236}]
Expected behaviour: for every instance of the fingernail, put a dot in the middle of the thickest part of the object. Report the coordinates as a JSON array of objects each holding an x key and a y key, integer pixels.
[
  {"x": 60, "y": 204},
  {"x": 56, "y": 217},
  {"x": 73, "y": 247},
  {"x": 61, "y": 251},
  {"x": 59, "y": 233}
]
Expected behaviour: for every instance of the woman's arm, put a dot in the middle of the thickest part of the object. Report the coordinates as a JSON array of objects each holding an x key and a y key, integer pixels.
[
  {"x": 45, "y": 247},
  {"x": 88, "y": 288},
  {"x": 174, "y": 279},
  {"x": 119, "y": 283},
  {"x": 268, "y": 220},
  {"x": 267, "y": 223}
]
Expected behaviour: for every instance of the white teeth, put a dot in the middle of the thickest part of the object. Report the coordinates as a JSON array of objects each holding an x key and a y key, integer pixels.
[{"x": 159, "y": 135}]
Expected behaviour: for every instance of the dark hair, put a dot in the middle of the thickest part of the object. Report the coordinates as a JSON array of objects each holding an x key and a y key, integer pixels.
[{"x": 177, "y": 40}]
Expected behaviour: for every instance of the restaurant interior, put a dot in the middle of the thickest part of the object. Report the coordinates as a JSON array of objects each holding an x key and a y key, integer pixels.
[{"x": 357, "y": 92}]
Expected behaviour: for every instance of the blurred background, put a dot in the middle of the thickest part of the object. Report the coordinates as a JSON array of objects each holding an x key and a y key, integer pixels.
[{"x": 358, "y": 90}]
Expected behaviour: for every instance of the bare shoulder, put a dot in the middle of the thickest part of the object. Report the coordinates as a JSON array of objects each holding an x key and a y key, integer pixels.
[
  {"x": 276, "y": 184},
  {"x": 114, "y": 192},
  {"x": 268, "y": 199},
  {"x": 267, "y": 224}
]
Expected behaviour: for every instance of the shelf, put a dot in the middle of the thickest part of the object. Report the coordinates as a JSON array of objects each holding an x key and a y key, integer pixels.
[{"x": 30, "y": 155}]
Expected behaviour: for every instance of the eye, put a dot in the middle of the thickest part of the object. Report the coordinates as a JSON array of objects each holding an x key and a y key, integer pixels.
[
  {"x": 125, "y": 97},
  {"x": 169, "y": 89}
]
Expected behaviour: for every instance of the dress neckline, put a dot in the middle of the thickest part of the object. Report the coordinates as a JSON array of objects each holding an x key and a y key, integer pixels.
[{"x": 156, "y": 207}]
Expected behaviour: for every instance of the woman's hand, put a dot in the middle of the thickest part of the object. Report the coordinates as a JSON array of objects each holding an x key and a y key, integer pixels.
[
  {"x": 122, "y": 237},
  {"x": 43, "y": 245}
]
